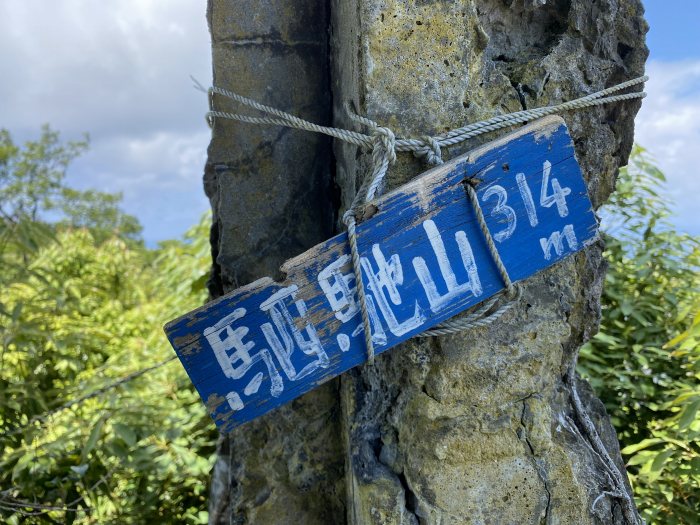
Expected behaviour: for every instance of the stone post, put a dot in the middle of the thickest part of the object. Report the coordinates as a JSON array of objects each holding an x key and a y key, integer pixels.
[
  {"x": 477, "y": 427},
  {"x": 271, "y": 194}
]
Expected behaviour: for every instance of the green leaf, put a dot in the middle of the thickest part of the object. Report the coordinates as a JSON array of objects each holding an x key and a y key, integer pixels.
[
  {"x": 626, "y": 307},
  {"x": 199, "y": 284},
  {"x": 605, "y": 338},
  {"x": 118, "y": 448},
  {"x": 645, "y": 457},
  {"x": 688, "y": 414},
  {"x": 645, "y": 443},
  {"x": 95, "y": 434},
  {"x": 126, "y": 433},
  {"x": 660, "y": 460}
]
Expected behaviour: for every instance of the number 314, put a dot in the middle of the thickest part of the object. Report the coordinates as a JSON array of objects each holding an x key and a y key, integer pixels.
[{"x": 547, "y": 200}]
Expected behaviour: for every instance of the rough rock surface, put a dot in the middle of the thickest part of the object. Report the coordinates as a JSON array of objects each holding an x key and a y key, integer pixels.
[
  {"x": 270, "y": 191},
  {"x": 472, "y": 428}
]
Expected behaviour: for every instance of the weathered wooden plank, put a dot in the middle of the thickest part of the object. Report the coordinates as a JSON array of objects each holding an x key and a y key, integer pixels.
[{"x": 424, "y": 260}]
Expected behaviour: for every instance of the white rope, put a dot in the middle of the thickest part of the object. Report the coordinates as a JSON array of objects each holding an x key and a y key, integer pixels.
[
  {"x": 424, "y": 146},
  {"x": 477, "y": 318},
  {"x": 383, "y": 144},
  {"x": 349, "y": 220},
  {"x": 383, "y": 154}
]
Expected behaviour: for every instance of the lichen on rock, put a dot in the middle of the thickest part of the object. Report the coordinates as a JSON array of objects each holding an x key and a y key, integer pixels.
[{"x": 476, "y": 427}]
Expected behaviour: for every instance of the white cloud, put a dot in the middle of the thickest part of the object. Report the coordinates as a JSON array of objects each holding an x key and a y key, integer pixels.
[
  {"x": 162, "y": 161},
  {"x": 117, "y": 67},
  {"x": 120, "y": 71},
  {"x": 668, "y": 125}
]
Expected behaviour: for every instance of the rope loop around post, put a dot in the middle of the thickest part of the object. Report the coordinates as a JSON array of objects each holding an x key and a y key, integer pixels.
[
  {"x": 483, "y": 315},
  {"x": 383, "y": 155},
  {"x": 383, "y": 145}
]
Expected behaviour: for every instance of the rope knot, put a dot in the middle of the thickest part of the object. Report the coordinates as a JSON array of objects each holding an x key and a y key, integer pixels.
[
  {"x": 384, "y": 141},
  {"x": 383, "y": 144},
  {"x": 433, "y": 153}
]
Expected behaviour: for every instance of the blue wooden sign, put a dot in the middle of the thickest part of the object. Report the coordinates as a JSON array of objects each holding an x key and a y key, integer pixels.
[{"x": 424, "y": 260}]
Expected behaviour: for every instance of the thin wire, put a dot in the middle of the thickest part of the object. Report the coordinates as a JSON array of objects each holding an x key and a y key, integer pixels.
[
  {"x": 42, "y": 418},
  {"x": 16, "y": 505},
  {"x": 628, "y": 507}
]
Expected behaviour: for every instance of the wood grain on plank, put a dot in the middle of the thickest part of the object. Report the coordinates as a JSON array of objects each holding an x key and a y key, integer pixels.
[{"x": 424, "y": 260}]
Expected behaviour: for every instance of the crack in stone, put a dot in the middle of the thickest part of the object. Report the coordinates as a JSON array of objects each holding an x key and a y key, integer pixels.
[
  {"x": 541, "y": 473},
  {"x": 521, "y": 95},
  {"x": 425, "y": 391},
  {"x": 410, "y": 499}
]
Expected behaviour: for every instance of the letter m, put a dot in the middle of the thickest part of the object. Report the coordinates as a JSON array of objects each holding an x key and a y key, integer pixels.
[{"x": 556, "y": 240}]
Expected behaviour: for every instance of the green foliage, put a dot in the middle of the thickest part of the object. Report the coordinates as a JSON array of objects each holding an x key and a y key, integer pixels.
[
  {"x": 645, "y": 362},
  {"x": 138, "y": 453},
  {"x": 32, "y": 178},
  {"x": 82, "y": 307},
  {"x": 32, "y": 183},
  {"x": 100, "y": 213},
  {"x": 83, "y": 304}
]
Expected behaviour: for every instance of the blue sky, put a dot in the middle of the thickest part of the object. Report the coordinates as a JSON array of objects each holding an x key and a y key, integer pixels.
[
  {"x": 120, "y": 71},
  {"x": 674, "y": 29},
  {"x": 668, "y": 124}
]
